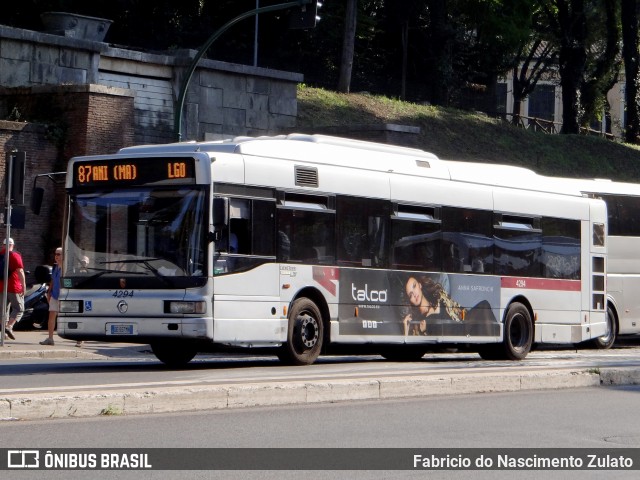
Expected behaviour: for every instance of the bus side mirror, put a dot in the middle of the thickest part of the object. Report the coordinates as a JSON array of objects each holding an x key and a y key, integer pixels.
[
  {"x": 220, "y": 212},
  {"x": 37, "y": 194}
]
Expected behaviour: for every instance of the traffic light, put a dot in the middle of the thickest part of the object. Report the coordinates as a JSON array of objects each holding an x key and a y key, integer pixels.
[
  {"x": 306, "y": 16},
  {"x": 18, "y": 162}
]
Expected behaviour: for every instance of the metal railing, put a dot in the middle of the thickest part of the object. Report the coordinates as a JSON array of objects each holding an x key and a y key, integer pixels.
[{"x": 549, "y": 126}]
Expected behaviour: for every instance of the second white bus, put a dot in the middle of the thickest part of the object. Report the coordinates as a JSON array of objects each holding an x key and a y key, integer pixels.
[{"x": 623, "y": 253}]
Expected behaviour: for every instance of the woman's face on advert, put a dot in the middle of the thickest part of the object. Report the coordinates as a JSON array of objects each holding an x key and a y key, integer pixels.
[{"x": 414, "y": 291}]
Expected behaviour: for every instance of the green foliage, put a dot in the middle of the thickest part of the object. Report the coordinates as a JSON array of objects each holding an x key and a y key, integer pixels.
[{"x": 111, "y": 410}]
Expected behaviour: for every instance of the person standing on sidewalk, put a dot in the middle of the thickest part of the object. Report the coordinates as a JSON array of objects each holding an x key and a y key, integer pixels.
[
  {"x": 16, "y": 286},
  {"x": 53, "y": 294}
]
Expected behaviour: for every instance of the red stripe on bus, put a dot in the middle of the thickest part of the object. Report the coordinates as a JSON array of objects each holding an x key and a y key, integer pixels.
[
  {"x": 327, "y": 277},
  {"x": 541, "y": 284}
]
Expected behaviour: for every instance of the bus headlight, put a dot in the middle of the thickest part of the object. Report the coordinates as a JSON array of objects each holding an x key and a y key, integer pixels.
[
  {"x": 70, "y": 306},
  {"x": 186, "y": 307}
]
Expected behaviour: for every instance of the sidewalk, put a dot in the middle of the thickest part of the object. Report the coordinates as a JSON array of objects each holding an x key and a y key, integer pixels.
[{"x": 27, "y": 345}]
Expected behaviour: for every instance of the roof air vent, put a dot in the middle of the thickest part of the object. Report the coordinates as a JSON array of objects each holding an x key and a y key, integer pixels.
[{"x": 306, "y": 176}]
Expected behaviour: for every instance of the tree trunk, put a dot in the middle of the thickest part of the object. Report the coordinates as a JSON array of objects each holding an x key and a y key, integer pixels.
[
  {"x": 602, "y": 75},
  {"x": 629, "y": 15},
  {"x": 348, "y": 46},
  {"x": 572, "y": 58},
  {"x": 441, "y": 51},
  {"x": 405, "y": 47},
  {"x": 517, "y": 98}
]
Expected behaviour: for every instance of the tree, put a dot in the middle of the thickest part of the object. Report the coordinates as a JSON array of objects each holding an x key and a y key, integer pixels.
[
  {"x": 495, "y": 34},
  {"x": 588, "y": 56},
  {"x": 528, "y": 70},
  {"x": 569, "y": 25},
  {"x": 348, "y": 46},
  {"x": 603, "y": 61},
  {"x": 629, "y": 15},
  {"x": 440, "y": 51}
]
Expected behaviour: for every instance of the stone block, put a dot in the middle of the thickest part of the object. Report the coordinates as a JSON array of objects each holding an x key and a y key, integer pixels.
[
  {"x": 257, "y": 119},
  {"x": 5, "y": 410},
  {"x": 620, "y": 376},
  {"x": 280, "y": 123},
  {"x": 414, "y": 387},
  {"x": 253, "y": 395},
  {"x": 343, "y": 390},
  {"x": 48, "y": 55},
  {"x": 258, "y": 102},
  {"x": 14, "y": 73},
  {"x": 14, "y": 50},
  {"x": 258, "y": 85},
  {"x": 76, "y": 59},
  {"x": 52, "y": 74},
  {"x": 485, "y": 383},
  {"x": 559, "y": 379},
  {"x": 234, "y": 117},
  {"x": 283, "y": 105},
  {"x": 175, "y": 399},
  {"x": 210, "y": 110}
]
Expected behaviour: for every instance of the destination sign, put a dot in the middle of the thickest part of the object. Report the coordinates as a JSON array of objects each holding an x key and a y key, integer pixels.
[{"x": 133, "y": 171}]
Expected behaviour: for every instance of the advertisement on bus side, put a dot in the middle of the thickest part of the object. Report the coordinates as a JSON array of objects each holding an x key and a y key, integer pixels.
[{"x": 417, "y": 304}]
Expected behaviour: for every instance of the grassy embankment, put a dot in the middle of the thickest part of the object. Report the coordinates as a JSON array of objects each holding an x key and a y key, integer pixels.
[{"x": 454, "y": 134}]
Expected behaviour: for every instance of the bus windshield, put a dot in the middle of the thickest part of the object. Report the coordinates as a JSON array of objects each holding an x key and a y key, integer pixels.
[{"x": 137, "y": 238}]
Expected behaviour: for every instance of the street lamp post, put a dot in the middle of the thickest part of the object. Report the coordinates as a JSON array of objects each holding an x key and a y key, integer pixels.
[{"x": 185, "y": 84}]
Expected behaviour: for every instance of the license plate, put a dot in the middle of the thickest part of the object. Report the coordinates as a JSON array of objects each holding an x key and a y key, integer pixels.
[{"x": 122, "y": 329}]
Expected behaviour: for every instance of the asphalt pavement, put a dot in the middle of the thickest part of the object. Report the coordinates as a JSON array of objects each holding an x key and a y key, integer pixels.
[{"x": 87, "y": 401}]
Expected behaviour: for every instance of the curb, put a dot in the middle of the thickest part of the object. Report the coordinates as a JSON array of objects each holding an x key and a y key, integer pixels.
[
  {"x": 41, "y": 406},
  {"x": 48, "y": 354}
]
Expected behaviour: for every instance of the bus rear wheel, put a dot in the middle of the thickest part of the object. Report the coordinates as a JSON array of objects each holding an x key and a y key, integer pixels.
[
  {"x": 608, "y": 339},
  {"x": 173, "y": 354},
  {"x": 518, "y": 336},
  {"x": 305, "y": 334}
]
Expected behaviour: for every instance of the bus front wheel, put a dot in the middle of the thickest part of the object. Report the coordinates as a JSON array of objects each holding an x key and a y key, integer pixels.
[
  {"x": 174, "y": 355},
  {"x": 305, "y": 334}
]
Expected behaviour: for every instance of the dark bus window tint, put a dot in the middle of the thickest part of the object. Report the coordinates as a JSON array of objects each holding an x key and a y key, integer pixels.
[
  {"x": 240, "y": 226},
  {"x": 623, "y": 214},
  {"x": 306, "y": 236},
  {"x": 248, "y": 236},
  {"x": 263, "y": 228},
  {"x": 467, "y": 243},
  {"x": 416, "y": 245},
  {"x": 612, "y": 214},
  {"x": 518, "y": 252},
  {"x": 363, "y": 232},
  {"x": 561, "y": 248}
]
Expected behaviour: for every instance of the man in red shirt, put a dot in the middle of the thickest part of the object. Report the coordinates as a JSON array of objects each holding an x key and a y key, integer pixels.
[{"x": 16, "y": 286}]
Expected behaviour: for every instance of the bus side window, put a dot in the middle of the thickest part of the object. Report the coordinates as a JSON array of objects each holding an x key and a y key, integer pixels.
[
  {"x": 239, "y": 221},
  {"x": 306, "y": 236},
  {"x": 468, "y": 241},
  {"x": 363, "y": 231},
  {"x": 239, "y": 234}
]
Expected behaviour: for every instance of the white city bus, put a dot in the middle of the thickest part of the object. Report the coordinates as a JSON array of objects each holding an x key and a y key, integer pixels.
[{"x": 305, "y": 242}]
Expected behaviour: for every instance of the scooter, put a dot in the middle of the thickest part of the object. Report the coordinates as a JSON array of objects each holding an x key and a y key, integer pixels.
[{"x": 36, "y": 306}]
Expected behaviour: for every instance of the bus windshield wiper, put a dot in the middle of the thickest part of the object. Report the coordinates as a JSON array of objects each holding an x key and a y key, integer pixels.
[
  {"x": 151, "y": 268},
  {"x": 99, "y": 273}
]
